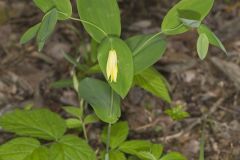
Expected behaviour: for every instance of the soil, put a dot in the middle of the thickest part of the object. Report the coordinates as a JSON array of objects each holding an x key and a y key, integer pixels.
[{"x": 208, "y": 90}]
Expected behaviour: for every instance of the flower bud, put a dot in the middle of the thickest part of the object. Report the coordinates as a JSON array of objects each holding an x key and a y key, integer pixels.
[{"x": 112, "y": 68}]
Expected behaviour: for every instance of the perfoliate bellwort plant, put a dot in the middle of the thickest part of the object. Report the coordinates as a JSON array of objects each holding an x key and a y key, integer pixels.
[{"x": 122, "y": 64}]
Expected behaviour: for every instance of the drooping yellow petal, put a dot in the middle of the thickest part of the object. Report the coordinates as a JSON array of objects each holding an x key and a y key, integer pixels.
[{"x": 111, "y": 68}]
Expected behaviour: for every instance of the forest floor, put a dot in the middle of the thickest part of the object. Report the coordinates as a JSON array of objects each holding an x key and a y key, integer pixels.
[{"x": 209, "y": 90}]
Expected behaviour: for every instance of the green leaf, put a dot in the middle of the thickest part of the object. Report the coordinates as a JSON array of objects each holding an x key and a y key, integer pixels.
[
  {"x": 30, "y": 33},
  {"x": 39, "y": 123},
  {"x": 73, "y": 111},
  {"x": 100, "y": 96},
  {"x": 157, "y": 150},
  {"x": 119, "y": 133},
  {"x": 173, "y": 156},
  {"x": 73, "y": 123},
  {"x": 189, "y": 18},
  {"x": 147, "y": 50},
  {"x": 40, "y": 153},
  {"x": 71, "y": 148},
  {"x": 152, "y": 81},
  {"x": 18, "y": 148},
  {"x": 177, "y": 113},
  {"x": 64, "y": 7},
  {"x": 173, "y": 25},
  {"x": 202, "y": 46},
  {"x": 117, "y": 155},
  {"x": 125, "y": 64},
  {"x": 63, "y": 83},
  {"x": 134, "y": 146},
  {"x": 213, "y": 39},
  {"x": 47, "y": 26},
  {"x": 91, "y": 118},
  {"x": 100, "y": 18},
  {"x": 74, "y": 62},
  {"x": 146, "y": 155}
]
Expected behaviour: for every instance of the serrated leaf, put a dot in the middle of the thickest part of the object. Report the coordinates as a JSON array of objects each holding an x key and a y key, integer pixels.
[
  {"x": 157, "y": 150},
  {"x": 47, "y": 26},
  {"x": 202, "y": 46},
  {"x": 117, "y": 155},
  {"x": 39, "y": 123},
  {"x": 173, "y": 156},
  {"x": 124, "y": 64},
  {"x": 134, "y": 146},
  {"x": 100, "y": 17},
  {"x": 152, "y": 81},
  {"x": 146, "y": 50},
  {"x": 73, "y": 111},
  {"x": 91, "y": 118},
  {"x": 172, "y": 24},
  {"x": 71, "y": 148},
  {"x": 100, "y": 96},
  {"x": 119, "y": 133},
  {"x": 18, "y": 148},
  {"x": 40, "y": 153},
  {"x": 30, "y": 33},
  {"x": 64, "y": 7},
  {"x": 213, "y": 39},
  {"x": 73, "y": 123},
  {"x": 146, "y": 155}
]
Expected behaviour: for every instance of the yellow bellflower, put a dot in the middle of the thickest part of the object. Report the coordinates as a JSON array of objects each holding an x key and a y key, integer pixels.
[{"x": 112, "y": 68}]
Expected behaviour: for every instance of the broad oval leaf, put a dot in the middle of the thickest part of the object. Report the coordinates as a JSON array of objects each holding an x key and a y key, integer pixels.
[
  {"x": 30, "y": 33},
  {"x": 173, "y": 156},
  {"x": 100, "y": 17},
  {"x": 71, "y": 147},
  {"x": 147, "y": 50},
  {"x": 47, "y": 27},
  {"x": 117, "y": 155},
  {"x": 124, "y": 64},
  {"x": 151, "y": 80},
  {"x": 64, "y": 7},
  {"x": 119, "y": 133},
  {"x": 213, "y": 39},
  {"x": 18, "y": 148},
  {"x": 100, "y": 96},
  {"x": 190, "y": 18},
  {"x": 39, "y": 123},
  {"x": 202, "y": 46},
  {"x": 146, "y": 155},
  {"x": 173, "y": 25}
]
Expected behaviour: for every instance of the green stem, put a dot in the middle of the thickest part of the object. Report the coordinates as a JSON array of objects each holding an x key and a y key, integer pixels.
[
  {"x": 109, "y": 130},
  {"x": 154, "y": 36},
  {"x": 87, "y": 22},
  {"x": 81, "y": 119}
]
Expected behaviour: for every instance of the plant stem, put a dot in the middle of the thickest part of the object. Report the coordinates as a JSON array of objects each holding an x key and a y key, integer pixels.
[
  {"x": 154, "y": 36},
  {"x": 109, "y": 129},
  {"x": 81, "y": 119}
]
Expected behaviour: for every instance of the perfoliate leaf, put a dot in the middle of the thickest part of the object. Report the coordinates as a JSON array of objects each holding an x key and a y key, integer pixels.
[
  {"x": 119, "y": 133},
  {"x": 104, "y": 101},
  {"x": 213, "y": 39},
  {"x": 100, "y": 18},
  {"x": 152, "y": 81},
  {"x": 18, "y": 148},
  {"x": 146, "y": 50},
  {"x": 172, "y": 24},
  {"x": 64, "y": 7},
  {"x": 125, "y": 69},
  {"x": 39, "y": 123},
  {"x": 30, "y": 33},
  {"x": 47, "y": 26}
]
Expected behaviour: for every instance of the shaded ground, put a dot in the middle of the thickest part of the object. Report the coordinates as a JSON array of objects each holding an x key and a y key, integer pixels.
[{"x": 209, "y": 89}]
